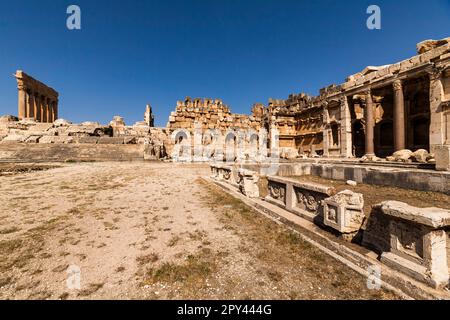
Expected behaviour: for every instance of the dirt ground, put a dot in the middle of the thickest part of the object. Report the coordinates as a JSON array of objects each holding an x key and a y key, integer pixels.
[{"x": 152, "y": 231}]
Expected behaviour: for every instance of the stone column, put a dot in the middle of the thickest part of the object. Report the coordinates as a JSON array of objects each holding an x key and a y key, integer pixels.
[
  {"x": 326, "y": 130},
  {"x": 42, "y": 109},
  {"x": 399, "y": 116},
  {"x": 22, "y": 106},
  {"x": 30, "y": 105},
  {"x": 50, "y": 111},
  {"x": 370, "y": 123},
  {"x": 437, "y": 132},
  {"x": 55, "y": 110},
  {"x": 346, "y": 129},
  {"x": 37, "y": 108},
  {"x": 47, "y": 110}
]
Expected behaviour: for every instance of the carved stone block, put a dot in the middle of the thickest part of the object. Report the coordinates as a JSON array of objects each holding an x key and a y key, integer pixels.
[
  {"x": 344, "y": 211},
  {"x": 418, "y": 242}
]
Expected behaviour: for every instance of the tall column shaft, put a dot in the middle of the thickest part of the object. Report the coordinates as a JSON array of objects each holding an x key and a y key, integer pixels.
[
  {"x": 370, "y": 123},
  {"x": 36, "y": 108},
  {"x": 47, "y": 111},
  {"x": 438, "y": 132},
  {"x": 42, "y": 107},
  {"x": 55, "y": 110},
  {"x": 346, "y": 129},
  {"x": 30, "y": 106},
  {"x": 22, "y": 106},
  {"x": 399, "y": 116},
  {"x": 50, "y": 111}
]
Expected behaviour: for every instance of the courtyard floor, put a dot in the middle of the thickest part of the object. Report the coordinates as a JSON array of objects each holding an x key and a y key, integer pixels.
[{"x": 152, "y": 231}]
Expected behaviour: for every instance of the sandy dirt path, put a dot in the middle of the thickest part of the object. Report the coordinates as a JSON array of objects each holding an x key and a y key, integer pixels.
[{"x": 151, "y": 231}]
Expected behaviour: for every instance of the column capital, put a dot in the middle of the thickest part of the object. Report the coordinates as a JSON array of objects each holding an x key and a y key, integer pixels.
[
  {"x": 397, "y": 85},
  {"x": 368, "y": 91},
  {"x": 435, "y": 73}
]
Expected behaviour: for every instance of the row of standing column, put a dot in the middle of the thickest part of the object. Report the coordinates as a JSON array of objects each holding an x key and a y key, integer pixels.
[
  {"x": 398, "y": 115},
  {"x": 39, "y": 108}
]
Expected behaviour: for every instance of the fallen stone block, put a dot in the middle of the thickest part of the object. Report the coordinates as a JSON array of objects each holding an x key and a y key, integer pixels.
[{"x": 421, "y": 156}]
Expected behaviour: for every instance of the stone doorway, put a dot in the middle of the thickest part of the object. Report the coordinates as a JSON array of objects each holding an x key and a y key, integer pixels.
[{"x": 358, "y": 139}]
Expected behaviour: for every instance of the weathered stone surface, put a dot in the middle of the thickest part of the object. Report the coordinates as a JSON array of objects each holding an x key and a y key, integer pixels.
[
  {"x": 421, "y": 156},
  {"x": 432, "y": 217},
  {"x": 91, "y": 140},
  {"x": 428, "y": 45},
  {"x": 418, "y": 241},
  {"x": 8, "y": 118},
  {"x": 37, "y": 102},
  {"x": 61, "y": 122},
  {"x": 248, "y": 183},
  {"x": 344, "y": 211},
  {"x": 402, "y": 155},
  {"x": 442, "y": 156},
  {"x": 351, "y": 183},
  {"x": 110, "y": 140}
]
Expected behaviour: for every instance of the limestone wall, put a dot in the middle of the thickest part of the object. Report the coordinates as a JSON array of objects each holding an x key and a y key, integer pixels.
[
  {"x": 210, "y": 114},
  {"x": 70, "y": 152}
]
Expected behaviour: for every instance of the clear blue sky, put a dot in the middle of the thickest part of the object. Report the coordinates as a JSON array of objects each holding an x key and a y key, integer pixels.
[{"x": 134, "y": 52}]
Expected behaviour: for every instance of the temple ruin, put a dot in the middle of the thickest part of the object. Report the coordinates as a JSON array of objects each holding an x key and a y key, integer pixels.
[
  {"x": 37, "y": 101},
  {"x": 384, "y": 127},
  {"x": 396, "y": 112}
]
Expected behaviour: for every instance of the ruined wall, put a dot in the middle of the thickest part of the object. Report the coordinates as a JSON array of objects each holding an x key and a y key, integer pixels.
[
  {"x": 299, "y": 123},
  {"x": 374, "y": 113},
  {"x": 60, "y": 152},
  {"x": 211, "y": 114},
  {"x": 88, "y": 141}
]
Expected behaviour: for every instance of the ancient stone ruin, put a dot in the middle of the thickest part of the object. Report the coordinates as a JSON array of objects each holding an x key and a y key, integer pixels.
[
  {"x": 37, "y": 102},
  {"x": 385, "y": 127},
  {"x": 398, "y": 112}
]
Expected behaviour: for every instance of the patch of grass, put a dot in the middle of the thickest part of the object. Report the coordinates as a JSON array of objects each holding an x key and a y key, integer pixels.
[
  {"x": 64, "y": 296},
  {"x": 92, "y": 288},
  {"x": 120, "y": 269},
  {"x": 149, "y": 258},
  {"x": 109, "y": 225},
  {"x": 275, "y": 275},
  {"x": 9, "y": 230},
  {"x": 173, "y": 241},
  {"x": 283, "y": 256},
  {"x": 61, "y": 268},
  {"x": 7, "y": 247},
  {"x": 5, "y": 281},
  {"x": 195, "y": 270}
]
